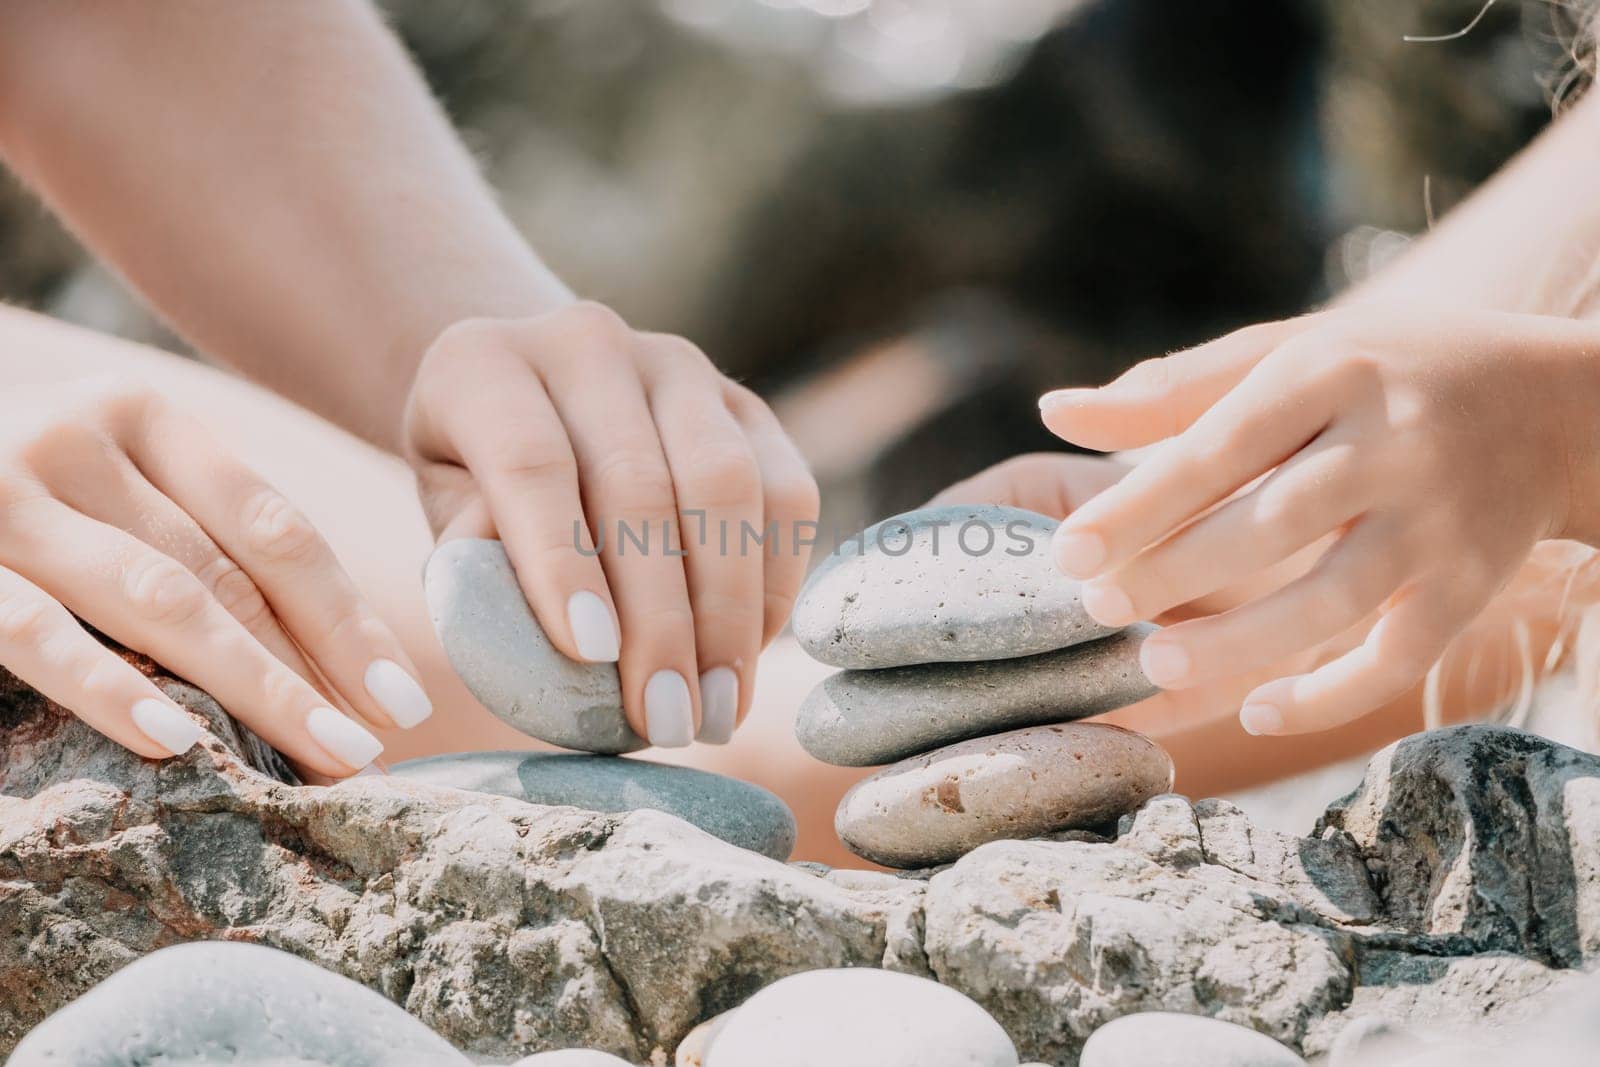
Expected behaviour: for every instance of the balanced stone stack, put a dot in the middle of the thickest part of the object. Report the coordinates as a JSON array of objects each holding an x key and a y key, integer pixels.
[
  {"x": 968, "y": 660},
  {"x": 500, "y": 651}
]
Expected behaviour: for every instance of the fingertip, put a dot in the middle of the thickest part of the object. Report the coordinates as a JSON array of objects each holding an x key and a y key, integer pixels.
[
  {"x": 719, "y": 705},
  {"x": 1261, "y": 720},
  {"x": 167, "y": 725},
  {"x": 668, "y": 710},
  {"x": 594, "y": 627},
  {"x": 398, "y": 692},
  {"x": 1078, "y": 553},
  {"x": 1108, "y": 605}
]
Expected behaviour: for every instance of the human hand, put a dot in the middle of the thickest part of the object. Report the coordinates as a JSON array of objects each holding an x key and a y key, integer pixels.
[
  {"x": 549, "y": 432},
  {"x": 119, "y": 509},
  {"x": 1433, "y": 456}
]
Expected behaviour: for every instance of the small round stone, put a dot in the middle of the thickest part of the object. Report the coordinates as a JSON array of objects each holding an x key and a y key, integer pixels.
[
  {"x": 941, "y": 805},
  {"x": 696, "y": 1044},
  {"x": 498, "y": 648},
  {"x": 1171, "y": 1039},
  {"x": 214, "y": 1002},
  {"x": 738, "y": 812},
  {"x": 864, "y": 718},
  {"x": 942, "y": 585},
  {"x": 860, "y": 1017},
  {"x": 571, "y": 1057}
]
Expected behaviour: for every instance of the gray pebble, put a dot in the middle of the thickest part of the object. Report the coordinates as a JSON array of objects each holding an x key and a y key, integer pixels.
[
  {"x": 498, "y": 648},
  {"x": 1171, "y": 1039},
  {"x": 863, "y": 718},
  {"x": 939, "y": 806},
  {"x": 221, "y": 1002},
  {"x": 942, "y": 585},
  {"x": 738, "y": 812}
]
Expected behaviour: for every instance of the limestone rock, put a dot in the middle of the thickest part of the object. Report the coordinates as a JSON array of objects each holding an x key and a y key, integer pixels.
[
  {"x": 509, "y": 928},
  {"x": 738, "y": 812},
  {"x": 864, "y": 718},
  {"x": 1026, "y": 783},
  {"x": 940, "y": 585},
  {"x": 860, "y": 1018},
  {"x": 227, "y": 1003},
  {"x": 1170, "y": 1039},
  {"x": 499, "y": 649}
]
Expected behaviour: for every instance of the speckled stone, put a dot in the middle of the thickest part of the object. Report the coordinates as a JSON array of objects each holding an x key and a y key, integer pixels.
[
  {"x": 864, "y": 718},
  {"x": 738, "y": 812},
  {"x": 498, "y": 648},
  {"x": 860, "y": 1016},
  {"x": 1027, "y": 783},
  {"x": 225, "y": 1002},
  {"x": 1171, "y": 1039},
  {"x": 966, "y": 583}
]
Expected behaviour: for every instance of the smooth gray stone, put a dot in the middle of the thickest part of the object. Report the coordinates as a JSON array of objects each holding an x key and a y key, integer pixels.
[
  {"x": 864, "y": 718},
  {"x": 1171, "y": 1039},
  {"x": 738, "y": 812},
  {"x": 969, "y": 582},
  {"x": 937, "y": 807},
  {"x": 222, "y": 1002},
  {"x": 498, "y": 648}
]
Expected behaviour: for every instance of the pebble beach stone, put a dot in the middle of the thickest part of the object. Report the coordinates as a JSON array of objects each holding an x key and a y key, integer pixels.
[
  {"x": 737, "y": 812},
  {"x": 860, "y": 1017},
  {"x": 939, "y": 806},
  {"x": 1171, "y": 1039},
  {"x": 498, "y": 648},
  {"x": 864, "y": 718},
  {"x": 220, "y": 1002},
  {"x": 571, "y": 1057},
  {"x": 942, "y": 585}
]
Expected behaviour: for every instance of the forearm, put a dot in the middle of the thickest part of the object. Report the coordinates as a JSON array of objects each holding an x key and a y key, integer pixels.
[
  {"x": 275, "y": 179},
  {"x": 1527, "y": 241}
]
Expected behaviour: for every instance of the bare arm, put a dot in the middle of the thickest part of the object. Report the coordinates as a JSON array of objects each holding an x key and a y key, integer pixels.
[{"x": 274, "y": 178}]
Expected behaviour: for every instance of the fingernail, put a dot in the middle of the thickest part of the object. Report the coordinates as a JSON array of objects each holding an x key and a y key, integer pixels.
[
  {"x": 594, "y": 631},
  {"x": 1107, "y": 605},
  {"x": 1164, "y": 662},
  {"x": 342, "y": 738},
  {"x": 719, "y": 705},
  {"x": 371, "y": 770},
  {"x": 397, "y": 693},
  {"x": 1079, "y": 554},
  {"x": 1260, "y": 719},
  {"x": 1060, "y": 398},
  {"x": 668, "y": 712},
  {"x": 167, "y": 726}
]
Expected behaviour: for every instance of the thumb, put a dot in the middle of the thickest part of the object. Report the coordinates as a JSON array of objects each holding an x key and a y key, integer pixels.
[
  {"x": 1050, "y": 483},
  {"x": 1159, "y": 398}
]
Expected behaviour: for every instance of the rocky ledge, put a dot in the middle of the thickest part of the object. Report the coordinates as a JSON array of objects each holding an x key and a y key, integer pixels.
[{"x": 1459, "y": 881}]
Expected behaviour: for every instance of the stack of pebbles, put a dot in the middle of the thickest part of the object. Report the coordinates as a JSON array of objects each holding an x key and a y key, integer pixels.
[
  {"x": 499, "y": 649},
  {"x": 968, "y": 660}
]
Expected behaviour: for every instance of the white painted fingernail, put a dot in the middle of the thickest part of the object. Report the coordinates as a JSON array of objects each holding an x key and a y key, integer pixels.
[
  {"x": 342, "y": 738},
  {"x": 397, "y": 693},
  {"x": 719, "y": 705},
  {"x": 371, "y": 770},
  {"x": 668, "y": 711},
  {"x": 167, "y": 726},
  {"x": 1261, "y": 719},
  {"x": 594, "y": 631}
]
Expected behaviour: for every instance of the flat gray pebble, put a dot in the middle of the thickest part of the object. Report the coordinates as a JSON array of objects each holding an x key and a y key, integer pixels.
[
  {"x": 738, "y": 812},
  {"x": 942, "y": 585},
  {"x": 498, "y": 648},
  {"x": 864, "y": 718},
  {"x": 223, "y": 1002},
  {"x": 1171, "y": 1039},
  {"x": 937, "y": 807}
]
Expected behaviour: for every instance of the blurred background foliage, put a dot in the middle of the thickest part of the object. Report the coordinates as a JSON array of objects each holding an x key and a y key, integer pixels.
[{"x": 903, "y": 219}]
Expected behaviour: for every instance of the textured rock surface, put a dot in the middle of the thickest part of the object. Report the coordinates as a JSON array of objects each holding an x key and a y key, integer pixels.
[
  {"x": 224, "y": 1003},
  {"x": 738, "y": 812},
  {"x": 844, "y": 1018},
  {"x": 509, "y": 928},
  {"x": 503, "y": 655},
  {"x": 864, "y": 718},
  {"x": 1168, "y": 1039},
  {"x": 1026, "y": 783},
  {"x": 939, "y": 585}
]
